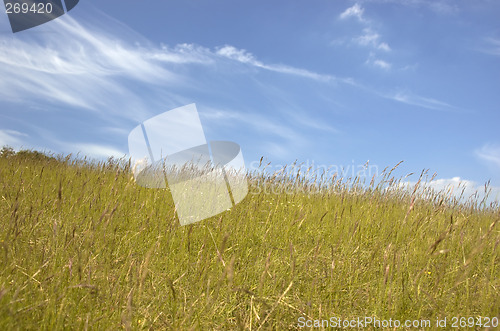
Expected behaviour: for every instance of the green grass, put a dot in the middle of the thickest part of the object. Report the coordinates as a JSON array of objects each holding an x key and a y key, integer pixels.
[{"x": 82, "y": 246}]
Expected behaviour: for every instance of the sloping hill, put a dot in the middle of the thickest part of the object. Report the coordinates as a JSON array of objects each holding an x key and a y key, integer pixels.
[{"x": 82, "y": 246}]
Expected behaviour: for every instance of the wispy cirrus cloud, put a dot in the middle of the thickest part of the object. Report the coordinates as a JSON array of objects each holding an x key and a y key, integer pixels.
[
  {"x": 182, "y": 54},
  {"x": 271, "y": 127},
  {"x": 97, "y": 151},
  {"x": 257, "y": 121},
  {"x": 12, "y": 138},
  {"x": 419, "y": 101},
  {"x": 242, "y": 56},
  {"x": 492, "y": 46},
  {"x": 280, "y": 139},
  {"x": 96, "y": 65},
  {"x": 77, "y": 67},
  {"x": 120, "y": 76},
  {"x": 489, "y": 153}
]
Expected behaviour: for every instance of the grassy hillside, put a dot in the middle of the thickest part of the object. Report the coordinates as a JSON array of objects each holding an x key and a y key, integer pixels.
[{"x": 82, "y": 246}]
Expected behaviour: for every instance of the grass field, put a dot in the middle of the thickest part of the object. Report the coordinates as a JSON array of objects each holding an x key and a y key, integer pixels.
[{"x": 83, "y": 247}]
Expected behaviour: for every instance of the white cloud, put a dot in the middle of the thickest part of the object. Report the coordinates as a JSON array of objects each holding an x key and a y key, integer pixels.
[
  {"x": 239, "y": 55},
  {"x": 78, "y": 67},
  {"x": 277, "y": 150},
  {"x": 242, "y": 56},
  {"x": 354, "y": 11},
  {"x": 182, "y": 54},
  {"x": 415, "y": 100},
  {"x": 308, "y": 121},
  {"x": 11, "y": 138},
  {"x": 95, "y": 150},
  {"x": 296, "y": 119},
  {"x": 458, "y": 188},
  {"x": 372, "y": 39},
  {"x": 382, "y": 64},
  {"x": 276, "y": 137},
  {"x": 489, "y": 153},
  {"x": 372, "y": 60},
  {"x": 88, "y": 68},
  {"x": 384, "y": 47},
  {"x": 258, "y": 122},
  {"x": 492, "y": 47}
]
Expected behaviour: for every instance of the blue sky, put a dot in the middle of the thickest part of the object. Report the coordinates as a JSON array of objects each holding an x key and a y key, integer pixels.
[{"x": 333, "y": 83}]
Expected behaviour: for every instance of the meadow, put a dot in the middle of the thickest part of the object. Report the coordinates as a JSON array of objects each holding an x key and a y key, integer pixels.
[{"x": 83, "y": 247}]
